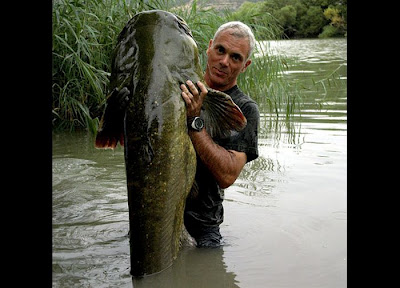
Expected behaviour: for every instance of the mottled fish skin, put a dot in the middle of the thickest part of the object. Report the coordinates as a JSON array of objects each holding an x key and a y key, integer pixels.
[{"x": 155, "y": 52}]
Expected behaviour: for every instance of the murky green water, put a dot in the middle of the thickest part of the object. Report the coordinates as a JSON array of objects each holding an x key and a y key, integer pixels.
[{"x": 285, "y": 217}]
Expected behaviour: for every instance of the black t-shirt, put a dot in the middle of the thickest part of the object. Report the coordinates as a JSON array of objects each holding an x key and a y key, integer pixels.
[{"x": 205, "y": 211}]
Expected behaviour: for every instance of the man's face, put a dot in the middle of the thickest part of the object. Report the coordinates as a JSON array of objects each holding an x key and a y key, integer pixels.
[{"x": 227, "y": 56}]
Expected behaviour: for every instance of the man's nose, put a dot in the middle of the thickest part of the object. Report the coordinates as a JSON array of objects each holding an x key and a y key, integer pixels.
[{"x": 224, "y": 61}]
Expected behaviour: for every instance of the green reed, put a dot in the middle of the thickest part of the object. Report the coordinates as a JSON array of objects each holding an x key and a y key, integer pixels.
[{"x": 85, "y": 33}]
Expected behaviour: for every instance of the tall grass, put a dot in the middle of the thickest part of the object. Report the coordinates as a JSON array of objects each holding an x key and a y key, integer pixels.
[{"x": 85, "y": 33}]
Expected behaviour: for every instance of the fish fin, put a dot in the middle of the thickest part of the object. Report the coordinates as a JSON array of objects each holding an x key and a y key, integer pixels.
[
  {"x": 111, "y": 128},
  {"x": 221, "y": 114}
]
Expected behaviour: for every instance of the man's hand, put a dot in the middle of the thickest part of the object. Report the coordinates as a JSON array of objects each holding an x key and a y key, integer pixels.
[{"x": 192, "y": 98}]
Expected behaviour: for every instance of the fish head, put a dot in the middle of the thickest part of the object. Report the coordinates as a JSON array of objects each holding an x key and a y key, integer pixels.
[{"x": 166, "y": 40}]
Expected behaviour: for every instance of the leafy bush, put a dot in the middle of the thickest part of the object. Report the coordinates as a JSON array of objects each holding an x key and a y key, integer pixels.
[{"x": 330, "y": 31}]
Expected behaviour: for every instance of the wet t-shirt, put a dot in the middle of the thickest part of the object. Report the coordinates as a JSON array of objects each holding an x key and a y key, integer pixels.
[{"x": 204, "y": 212}]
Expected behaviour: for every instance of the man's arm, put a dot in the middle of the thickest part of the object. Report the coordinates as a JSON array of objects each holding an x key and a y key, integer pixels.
[{"x": 224, "y": 165}]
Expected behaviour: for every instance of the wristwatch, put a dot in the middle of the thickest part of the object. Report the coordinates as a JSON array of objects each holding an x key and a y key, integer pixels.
[{"x": 195, "y": 123}]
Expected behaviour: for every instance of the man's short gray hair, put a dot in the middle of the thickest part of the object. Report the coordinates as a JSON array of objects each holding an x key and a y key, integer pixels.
[{"x": 242, "y": 30}]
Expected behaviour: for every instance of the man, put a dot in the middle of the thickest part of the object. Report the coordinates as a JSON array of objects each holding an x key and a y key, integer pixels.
[{"x": 220, "y": 161}]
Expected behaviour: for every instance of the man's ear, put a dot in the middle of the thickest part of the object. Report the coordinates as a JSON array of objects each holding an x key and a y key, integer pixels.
[
  {"x": 248, "y": 62},
  {"x": 209, "y": 46}
]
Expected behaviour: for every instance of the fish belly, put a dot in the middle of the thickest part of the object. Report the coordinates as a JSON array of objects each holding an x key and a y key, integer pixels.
[{"x": 160, "y": 167}]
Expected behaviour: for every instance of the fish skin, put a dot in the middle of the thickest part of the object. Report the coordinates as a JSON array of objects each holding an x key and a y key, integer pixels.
[{"x": 145, "y": 112}]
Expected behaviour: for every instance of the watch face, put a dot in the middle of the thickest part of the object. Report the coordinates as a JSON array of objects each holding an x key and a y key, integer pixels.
[{"x": 198, "y": 123}]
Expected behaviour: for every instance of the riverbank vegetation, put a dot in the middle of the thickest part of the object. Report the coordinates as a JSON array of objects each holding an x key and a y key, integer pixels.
[
  {"x": 302, "y": 18},
  {"x": 85, "y": 33}
]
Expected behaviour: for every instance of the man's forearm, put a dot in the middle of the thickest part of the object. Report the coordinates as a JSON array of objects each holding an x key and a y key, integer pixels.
[{"x": 224, "y": 164}]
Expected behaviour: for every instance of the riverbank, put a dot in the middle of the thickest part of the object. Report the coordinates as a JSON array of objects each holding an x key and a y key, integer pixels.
[{"x": 84, "y": 37}]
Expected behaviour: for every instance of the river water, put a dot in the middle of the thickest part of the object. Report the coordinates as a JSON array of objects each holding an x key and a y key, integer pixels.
[{"x": 285, "y": 216}]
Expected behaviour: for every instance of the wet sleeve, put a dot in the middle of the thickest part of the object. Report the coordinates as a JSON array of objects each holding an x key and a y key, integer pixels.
[{"x": 247, "y": 139}]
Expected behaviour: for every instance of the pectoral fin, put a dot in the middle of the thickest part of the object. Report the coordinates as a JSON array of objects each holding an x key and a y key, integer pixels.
[
  {"x": 111, "y": 128},
  {"x": 221, "y": 114}
]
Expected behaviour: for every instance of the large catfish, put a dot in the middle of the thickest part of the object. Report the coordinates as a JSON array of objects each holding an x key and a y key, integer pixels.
[{"x": 145, "y": 112}]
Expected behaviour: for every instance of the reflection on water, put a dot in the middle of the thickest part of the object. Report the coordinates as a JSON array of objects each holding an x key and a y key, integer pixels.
[
  {"x": 314, "y": 51},
  {"x": 285, "y": 216},
  {"x": 195, "y": 268}
]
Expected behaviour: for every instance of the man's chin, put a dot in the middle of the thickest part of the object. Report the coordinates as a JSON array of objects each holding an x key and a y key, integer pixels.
[{"x": 218, "y": 80}]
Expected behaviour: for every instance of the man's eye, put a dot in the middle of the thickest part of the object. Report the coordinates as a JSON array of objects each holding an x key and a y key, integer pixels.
[
  {"x": 221, "y": 50},
  {"x": 236, "y": 57}
]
